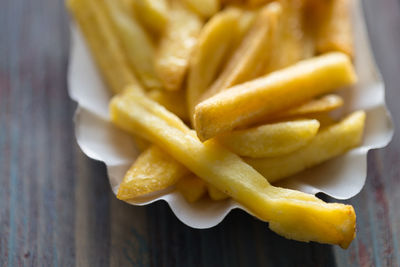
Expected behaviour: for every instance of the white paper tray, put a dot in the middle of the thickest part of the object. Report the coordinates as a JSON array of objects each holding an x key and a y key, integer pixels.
[{"x": 341, "y": 178}]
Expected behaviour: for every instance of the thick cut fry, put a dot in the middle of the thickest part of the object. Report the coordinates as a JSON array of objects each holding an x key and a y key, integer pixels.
[
  {"x": 313, "y": 108},
  {"x": 317, "y": 109},
  {"x": 136, "y": 42},
  {"x": 158, "y": 110},
  {"x": 153, "y": 170},
  {"x": 216, "y": 194},
  {"x": 255, "y": 100},
  {"x": 251, "y": 57},
  {"x": 324, "y": 119},
  {"x": 270, "y": 140},
  {"x": 245, "y": 22},
  {"x": 329, "y": 143},
  {"x": 233, "y": 2},
  {"x": 103, "y": 44},
  {"x": 334, "y": 26},
  {"x": 255, "y": 3},
  {"x": 205, "y": 8},
  {"x": 293, "y": 42},
  {"x": 141, "y": 143},
  {"x": 192, "y": 188},
  {"x": 215, "y": 41},
  {"x": 291, "y": 213},
  {"x": 153, "y": 13},
  {"x": 320, "y": 105},
  {"x": 174, "y": 101},
  {"x": 177, "y": 45}
]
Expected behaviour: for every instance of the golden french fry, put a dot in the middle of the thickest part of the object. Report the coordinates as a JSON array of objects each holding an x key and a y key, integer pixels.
[
  {"x": 323, "y": 104},
  {"x": 192, "y": 188},
  {"x": 250, "y": 58},
  {"x": 294, "y": 43},
  {"x": 103, "y": 44},
  {"x": 136, "y": 42},
  {"x": 315, "y": 109},
  {"x": 141, "y": 143},
  {"x": 270, "y": 140},
  {"x": 158, "y": 110},
  {"x": 153, "y": 170},
  {"x": 176, "y": 45},
  {"x": 233, "y": 2},
  {"x": 293, "y": 214},
  {"x": 153, "y": 13},
  {"x": 324, "y": 119},
  {"x": 215, "y": 41},
  {"x": 174, "y": 101},
  {"x": 216, "y": 194},
  {"x": 205, "y": 8},
  {"x": 246, "y": 20},
  {"x": 256, "y": 100},
  {"x": 334, "y": 26},
  {"x": 255, "y": 3},
  {"x": 330, "y": 142}
]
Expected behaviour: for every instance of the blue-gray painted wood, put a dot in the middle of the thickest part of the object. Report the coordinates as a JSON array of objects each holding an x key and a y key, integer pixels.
[{"x": 56, "y": 206}]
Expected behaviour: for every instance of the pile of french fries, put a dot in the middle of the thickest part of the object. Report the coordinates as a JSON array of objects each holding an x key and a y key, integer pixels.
[{"x": 226, "y": 97}]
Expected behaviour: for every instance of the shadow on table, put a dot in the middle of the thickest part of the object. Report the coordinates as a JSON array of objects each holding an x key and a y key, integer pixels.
[
  {"x": 240, "y": 240},
  {"x": 123, "y": 235}
]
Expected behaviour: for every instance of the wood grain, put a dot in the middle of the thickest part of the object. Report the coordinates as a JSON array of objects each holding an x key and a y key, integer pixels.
[{"x": 56, "y": 206}]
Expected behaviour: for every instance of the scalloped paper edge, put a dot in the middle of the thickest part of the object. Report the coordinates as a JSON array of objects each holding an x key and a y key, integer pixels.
[{"x": 341, "y": 178}]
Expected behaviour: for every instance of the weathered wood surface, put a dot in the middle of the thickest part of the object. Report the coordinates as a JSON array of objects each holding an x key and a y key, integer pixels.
[{"x": 56, "y": 207}]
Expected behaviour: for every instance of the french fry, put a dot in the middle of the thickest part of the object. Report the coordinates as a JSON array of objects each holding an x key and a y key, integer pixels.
[
  {"x": 153, "y": 14},
  {"x": 320, "y": 105},
  {"x": 136, "y": 42},
  {"x": 176, "y": 45},
  {"x": 294, "y": 42},
  {"x": 174, "y": 101},
  {"x": 245, "y": 22},
  {"x": 103, "y": 44},
  {"x": 334, "y": 26},
  {"x": 255, "y": 3},
  {"x": 316, "y": 109},
  {"x": 293, "y": 214},
  {"x": 215, "y": 41},
  {"x": 330, "y": 142},
  {"x": 153, "y": 170},
  {"x": 233, "y": 2},
  {"x": 192, "y": 188},
  {"x": 205, "y": 8},
  {"x": 249, "y": 102},
  {"x": 158, "y": 110},
  {"x": 324, "y": 119},
  {"x": 216, "y": 194},
  {"x": 141, "y": 143},
  {"x": 270, "y": 140},
  {"x": 250, "y": 58}
]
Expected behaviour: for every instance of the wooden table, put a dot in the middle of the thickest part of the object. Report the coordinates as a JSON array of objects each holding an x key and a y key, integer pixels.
[{"x": 56, "y": 206}]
